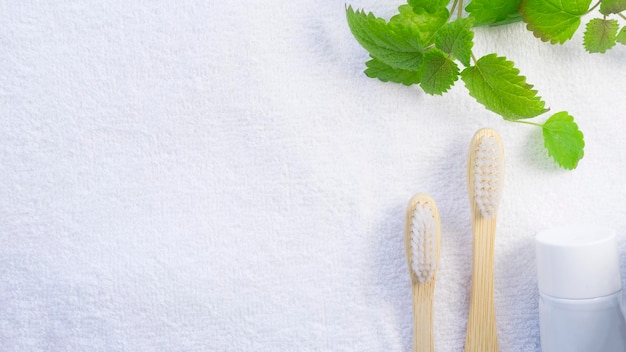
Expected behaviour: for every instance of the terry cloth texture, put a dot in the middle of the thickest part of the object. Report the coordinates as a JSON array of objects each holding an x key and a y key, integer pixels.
[{"x": 221, "y": 176}]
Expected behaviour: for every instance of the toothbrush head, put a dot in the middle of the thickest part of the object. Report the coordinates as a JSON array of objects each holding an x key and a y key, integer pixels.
[
  {"x": 422, "y": 235},
  {"x": 486, "y": 172}
]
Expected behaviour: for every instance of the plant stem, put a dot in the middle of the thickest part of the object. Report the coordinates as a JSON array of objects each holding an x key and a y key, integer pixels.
[
  {"x": 622, "y": 16},
  {"x": 460, "y": 13},
  {"x": 594, "y": 6},
  {"x": 473, "y": 58},
  {"x": 528, "y": 123},
  {"x": 456, "y": 2}
]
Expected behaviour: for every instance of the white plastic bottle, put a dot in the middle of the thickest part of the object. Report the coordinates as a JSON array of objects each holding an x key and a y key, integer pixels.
[{"x": 580, "y": 291}]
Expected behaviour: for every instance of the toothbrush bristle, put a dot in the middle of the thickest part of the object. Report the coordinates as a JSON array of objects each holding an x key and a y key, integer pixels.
[
  {"x": 488, "y": 178},
  {"x": 423, "y": 243}
]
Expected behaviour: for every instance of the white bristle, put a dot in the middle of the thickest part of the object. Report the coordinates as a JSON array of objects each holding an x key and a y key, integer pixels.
[
  {"x": 488, "y": 176},
  {"x": 423, "y": 243}
]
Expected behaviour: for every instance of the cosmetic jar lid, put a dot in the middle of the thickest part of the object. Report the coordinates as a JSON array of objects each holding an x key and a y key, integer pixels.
[{"x": 577, "y": 262}]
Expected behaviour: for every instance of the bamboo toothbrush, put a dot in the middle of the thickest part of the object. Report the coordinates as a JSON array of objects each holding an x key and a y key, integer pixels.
[
  {"x": 421, "y": 239},
  {"x": 485, "y": 178}
]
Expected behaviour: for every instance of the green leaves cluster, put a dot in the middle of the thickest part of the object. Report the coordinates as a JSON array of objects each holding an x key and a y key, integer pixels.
[
  {"x": 425, "y": 45},
  {"x": 557, "y": 21}
]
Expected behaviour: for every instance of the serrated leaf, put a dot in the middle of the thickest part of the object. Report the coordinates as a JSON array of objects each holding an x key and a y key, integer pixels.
[
  {"x": 563, "y": 140},
  {"x": 421, "y": 22},
  {"x": 493, "y": 11},
  {"x": 621, "y": 36},
  {"x": 554, "y": 21},
  {"x": 397, "y": 46},
  {"x": 497, "y": 84},
  {"x": 386, "y": 73},
  {"x": 612, "y": 6},
  {"x": 438, "y": 73},
  {"x": 429, "y": 5},
  {"x": 600, "y": 35},
  {"x": 455, "y": 38}
]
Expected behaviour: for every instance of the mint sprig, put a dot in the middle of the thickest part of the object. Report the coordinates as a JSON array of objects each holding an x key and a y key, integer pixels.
[
  {"x": 554, "y": 21},
  {"x": 600, "y": 35},
  {"x": 431, "y": 6},
  {"x": 494, "y": 82},
  {"x": 557, "y": 21},
  {"x": 608, "y": 7},
  {"x": 456, "y": 39},
  {"x": 396, "y": 45},
  {"x": 438, "y": 72},
  {"x": 494, "y": 12},
  {"x": 423, "y": 42},
  {"x": 563, "y": 140},
  {"x": 421, "y": 22},
  {"x": 386, "y": 73}
]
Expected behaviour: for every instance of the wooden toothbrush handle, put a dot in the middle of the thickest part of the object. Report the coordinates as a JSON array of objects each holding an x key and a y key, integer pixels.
[
  {"x": 481, "y": 326},
  {"x": 423, "y": 340}
]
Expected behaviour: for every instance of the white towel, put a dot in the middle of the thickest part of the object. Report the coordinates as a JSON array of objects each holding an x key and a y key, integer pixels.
[{"x": 221, "y": 176}]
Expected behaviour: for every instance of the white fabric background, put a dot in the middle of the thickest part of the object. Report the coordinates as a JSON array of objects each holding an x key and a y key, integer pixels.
[{"x": 221, "y": 176}]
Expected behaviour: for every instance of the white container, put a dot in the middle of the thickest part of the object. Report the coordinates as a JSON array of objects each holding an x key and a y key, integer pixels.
[{"x": 580, "y": 290}]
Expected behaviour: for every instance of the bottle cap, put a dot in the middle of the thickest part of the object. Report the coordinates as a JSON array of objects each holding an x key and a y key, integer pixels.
[{"x": 577, "y": 262}]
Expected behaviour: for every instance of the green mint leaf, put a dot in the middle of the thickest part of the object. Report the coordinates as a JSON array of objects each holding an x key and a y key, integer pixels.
[
  {"x": 431, "y": 6},
  {"x": 421, "y": 22},
  {"x": 600, "y": 35},
  {"x": 612, "y": 6},
  {"x": 455, "y": 38},
  {"x": 396, "y": 46},
  {"x": 386, "y": 73},
  {"x": 438, "y": 73},
  {"x": 554, "y": 21},
  {"x": 493, "y": 11},
  {"x": 497, "y": 84},
  {"x": 563, "y": 140},
  {"x": 621, "y": 36}
]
